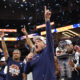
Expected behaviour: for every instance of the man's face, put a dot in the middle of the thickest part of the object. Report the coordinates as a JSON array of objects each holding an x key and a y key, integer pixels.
[
  {"x": 58, "y": 53},
  {"x": 70, "y": 47},
  {"x": 39, "y": 45},
  {"x": 16, "y": 55},
  {"x": 3, "y": 63}
]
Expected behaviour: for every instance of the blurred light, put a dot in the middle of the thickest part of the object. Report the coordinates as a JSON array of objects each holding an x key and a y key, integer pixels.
[
  {"x": 15, "y": 1},
  {"x": 77, "y": 1},
  {"x": 74, "y": 33},
  {"x": 9, "y": 39},
  {"x": 69, "y": 33},
  {"x": 4, "y": 0},
  {"x": 26, "y": 9},
  {"x": 44, "y": 32},
  {"x": 7, "y": 25},
  {"x": 30, "y": 17},
  {"x": 5, "y": 6},
  {"x": 66, "y": 34},
  {"x": 24, "y": 0},
  {"x": 24, "y": 18},
  {"x": 57, "y": 4},
  {"x": 63, "y": 12},
  {"x": 8, "y": 30},
  {"x": 32, "y": 4},
  {"x": 22, "y": 25},
  {"x": 44, "y": 25},
  {"x": 78, "y": 25},
  {"x": 37, "y": 10},
  {"x": 29, "y": 23},
  {"x": 21, "y": 5},
  {"x": 6, "y": 34},
  {"x": 30, "y": 36},
  {"x": 61, "y": 29},
  {"x": 64, "y": 28},
  {"x": 19, "y": 38}
]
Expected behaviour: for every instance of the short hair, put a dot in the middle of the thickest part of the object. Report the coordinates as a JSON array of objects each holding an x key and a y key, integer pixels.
[{"x": 17, "y": 50}]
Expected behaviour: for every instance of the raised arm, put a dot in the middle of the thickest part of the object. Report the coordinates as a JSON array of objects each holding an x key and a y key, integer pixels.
[
  {"x": 49, "y": 38},
  {"x": 50, "y": 45},
  {"x": 28, "y": 40},
  {"x": 4, "y": 45}
]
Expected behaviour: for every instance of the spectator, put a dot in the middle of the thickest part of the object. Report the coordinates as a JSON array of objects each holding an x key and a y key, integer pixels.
[
  {"x": 76, "y": 69},
  {"x": 15, "y": 66},
  {"x": 42, "y": 63},
  {"x": 64, "y": 61},
  {"x": 3, "y": 69}
]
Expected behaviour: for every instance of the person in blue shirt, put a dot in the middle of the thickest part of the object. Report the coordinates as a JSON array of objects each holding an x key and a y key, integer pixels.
[
  {"x": 15, "y": 66},
  {"x": 42, "y": 63},
  {"x": 3, "y": 69}
]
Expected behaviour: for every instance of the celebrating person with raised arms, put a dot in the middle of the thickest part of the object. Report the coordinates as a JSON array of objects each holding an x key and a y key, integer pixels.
[{"x": 42, "y": 63}]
